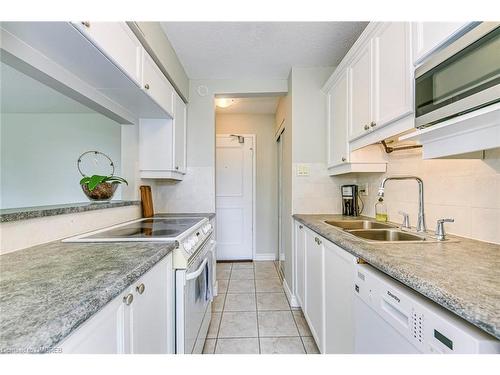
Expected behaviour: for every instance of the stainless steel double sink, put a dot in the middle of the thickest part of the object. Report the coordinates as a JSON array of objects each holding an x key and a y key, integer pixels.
[{"x": 375, "y": 231}]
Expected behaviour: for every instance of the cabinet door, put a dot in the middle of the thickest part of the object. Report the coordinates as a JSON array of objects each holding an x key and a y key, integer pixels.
[
  {"x": 156, "y": 84},
  {"x": 392, "y": 94},
  {"x": 314, "y": 307},
  {"x": 118, "y": 43},
  {"x": 429, "y": 36},
  {"x": 360, "y": 80},
  {"x": 180, "y": 135},
  {"x": 149, "y": 310},
  {"x": 300, "y": 243},
  {"x": 338, "y": 110},
  {"x": 101, "y": 334},
  {"x": 339, "y": 279}
]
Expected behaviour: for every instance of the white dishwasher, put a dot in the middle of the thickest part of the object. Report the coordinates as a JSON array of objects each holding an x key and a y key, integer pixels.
[{"x": 390, "y": 318}]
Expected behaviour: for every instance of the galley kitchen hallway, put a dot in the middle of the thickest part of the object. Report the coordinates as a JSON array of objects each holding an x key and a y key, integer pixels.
[{"x": 251, "y": 314}]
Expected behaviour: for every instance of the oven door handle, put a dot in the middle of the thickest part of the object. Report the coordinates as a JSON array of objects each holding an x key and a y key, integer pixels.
[{"x": 195, "y": 274}]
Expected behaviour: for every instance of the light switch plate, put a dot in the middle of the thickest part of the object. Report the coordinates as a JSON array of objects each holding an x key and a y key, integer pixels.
[{"x": 302, "y": 170}]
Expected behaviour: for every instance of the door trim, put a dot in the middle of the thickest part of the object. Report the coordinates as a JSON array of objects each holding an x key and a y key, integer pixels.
[{"x": 254, "y": 174}]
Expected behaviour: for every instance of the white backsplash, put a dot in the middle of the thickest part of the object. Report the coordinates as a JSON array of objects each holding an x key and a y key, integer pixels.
[
  {"x": 20, "y": 234},
  {"x": 467, "y": 190},
  {"x": 316, "y": 193},
  {"x": 190, "y": 195}
]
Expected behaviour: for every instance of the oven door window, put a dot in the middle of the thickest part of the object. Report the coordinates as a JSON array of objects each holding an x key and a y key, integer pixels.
[{"x": 473, "y": 69}]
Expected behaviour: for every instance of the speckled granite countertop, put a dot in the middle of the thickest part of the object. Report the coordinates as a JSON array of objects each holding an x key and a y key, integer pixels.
[
  {"x": 47, "y": 291},
  {"x": 24, "y": 213},
  {"x": 462, "y": 276}
]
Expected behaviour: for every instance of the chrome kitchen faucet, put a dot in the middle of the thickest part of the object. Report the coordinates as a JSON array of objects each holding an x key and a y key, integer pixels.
[{"x": 421, "y": 217}]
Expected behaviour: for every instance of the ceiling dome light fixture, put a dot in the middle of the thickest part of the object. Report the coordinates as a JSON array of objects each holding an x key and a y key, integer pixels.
[{"x": 224, "y": 102}]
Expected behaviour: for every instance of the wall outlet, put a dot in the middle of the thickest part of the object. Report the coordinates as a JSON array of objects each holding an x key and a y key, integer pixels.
[
  {"x": 302, "y": 170},
  {"x": 363, "y": 189}
]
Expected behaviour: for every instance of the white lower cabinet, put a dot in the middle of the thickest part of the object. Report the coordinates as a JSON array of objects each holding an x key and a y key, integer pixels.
[
  {"x": 140, "y": 320},
  {"x": 300, "y": 263},
  {"x": 324, "y": 287},
  {"x": 339, "y": 280},
  {"x": 314, "y": 287}
]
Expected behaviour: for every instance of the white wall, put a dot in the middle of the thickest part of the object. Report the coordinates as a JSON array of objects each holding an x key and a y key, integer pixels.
[
  {"x": 266, "y": 215},
  {"x": 39, "y": 153},
  {"x": 464, "y": 189},
  {"x": 197, "y": 192}
]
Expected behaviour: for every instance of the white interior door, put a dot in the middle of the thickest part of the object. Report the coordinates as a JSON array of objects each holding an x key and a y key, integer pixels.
[{"x": 234, "y": 197}]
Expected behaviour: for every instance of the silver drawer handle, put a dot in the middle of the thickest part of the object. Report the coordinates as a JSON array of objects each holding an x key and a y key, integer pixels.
[
  {"x": 140, "y": 288},
  {"x": 128, "y": 299}
]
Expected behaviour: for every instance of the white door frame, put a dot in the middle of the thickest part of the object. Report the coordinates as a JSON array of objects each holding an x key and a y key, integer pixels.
[{"x": 254, "y": 195}]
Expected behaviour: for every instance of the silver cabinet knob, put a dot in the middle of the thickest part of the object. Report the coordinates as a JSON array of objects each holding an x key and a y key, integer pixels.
[
  {"x": 300, "y": 227},
  {"x": 86, "y": 24},
  {"x": 128, "y": 299},
  {"x": 343, "y": 159},
  {"x": 177, "y": 167},
  {"x": 317, "y": 240},
  {"x": 367, "y": 127},
  {"x": 146, "y": 86},
  {"x": 373, "y": 124},
  {"x": 140, "y": 288}
]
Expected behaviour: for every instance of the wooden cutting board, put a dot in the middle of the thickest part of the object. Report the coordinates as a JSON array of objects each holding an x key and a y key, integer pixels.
[{"x": 147, "y": 201}]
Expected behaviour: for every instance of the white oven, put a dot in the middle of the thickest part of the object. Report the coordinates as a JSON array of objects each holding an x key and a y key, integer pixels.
[{"x": 194, "y": 295}]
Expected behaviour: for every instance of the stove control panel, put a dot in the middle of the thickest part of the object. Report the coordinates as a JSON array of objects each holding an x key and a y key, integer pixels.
[{"x": 196, "y": 238}]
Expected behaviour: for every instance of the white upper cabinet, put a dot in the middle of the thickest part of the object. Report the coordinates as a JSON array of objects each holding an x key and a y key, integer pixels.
[
  {"x": 392, "y": 89},
  {"x": 429, "y": 36},
  {"x": 338, "y": 112},
  {"x": 381, "y": 82},
  {"x": 361, "y": 73},
  {"x": 180, "y": 129},
  {"x": 118, "y": 43},
  {"x": 156, "y": 84}
]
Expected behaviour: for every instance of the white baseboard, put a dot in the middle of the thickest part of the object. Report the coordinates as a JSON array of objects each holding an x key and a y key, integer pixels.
[
  {"x": 291, "y": 297},
  {"x": 265, "y": 256}
]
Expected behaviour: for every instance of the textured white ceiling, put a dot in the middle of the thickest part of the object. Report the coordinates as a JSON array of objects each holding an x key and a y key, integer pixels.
[
  {"x": 256, "y": 105},
  {"x": 23, "y": 94},
  {"x": 249, "y": 50}
]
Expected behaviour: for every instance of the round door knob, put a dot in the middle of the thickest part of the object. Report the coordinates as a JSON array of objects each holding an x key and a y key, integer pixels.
[
  {"x": 344, "y": 159},
  {"x": 128, "y": 299},
  {"x": 140, "y": 288},
  {"x": 373, "y": 124},
  {"x": 146, "y": 86},
  {"x": 366, "y": 127},
  {"x": 86, "y": 24}
]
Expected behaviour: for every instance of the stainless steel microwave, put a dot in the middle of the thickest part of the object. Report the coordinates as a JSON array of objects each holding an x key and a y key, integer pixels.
[{"x": 460, "y": 78}]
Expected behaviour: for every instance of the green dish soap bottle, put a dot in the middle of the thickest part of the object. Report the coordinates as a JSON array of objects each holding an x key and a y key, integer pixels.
[{"x": 380, "y": 210}]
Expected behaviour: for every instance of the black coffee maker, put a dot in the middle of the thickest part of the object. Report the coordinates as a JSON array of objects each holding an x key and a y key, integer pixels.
[{"x": 350, "y": 200}]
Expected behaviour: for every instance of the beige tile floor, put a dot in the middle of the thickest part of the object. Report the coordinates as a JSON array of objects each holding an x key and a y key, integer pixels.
[{"x": 251, "y": 314}]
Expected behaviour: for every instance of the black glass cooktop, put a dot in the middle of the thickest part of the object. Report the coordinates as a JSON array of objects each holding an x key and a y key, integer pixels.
[{"x": 147, "y": 229}]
